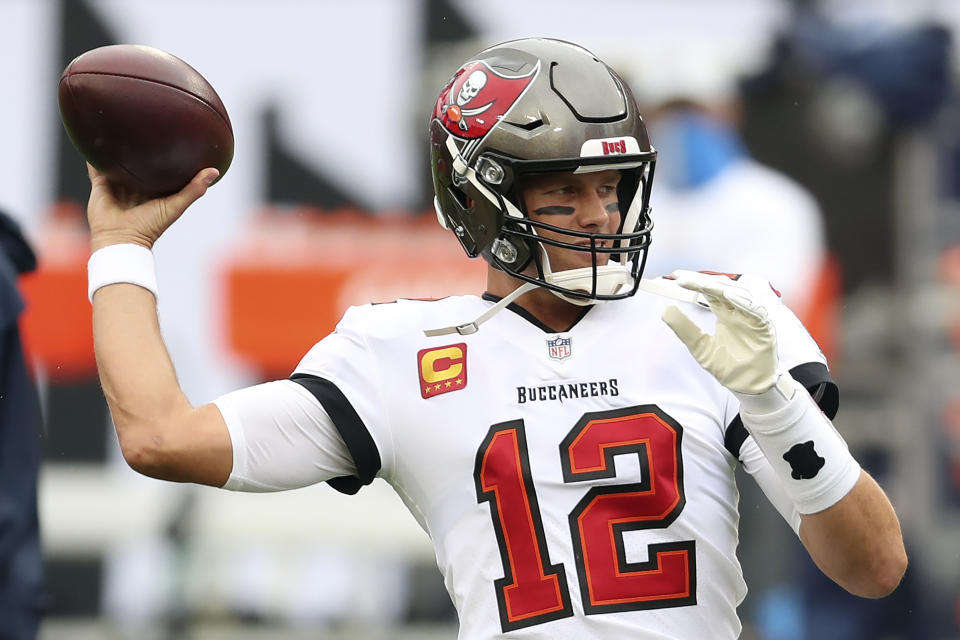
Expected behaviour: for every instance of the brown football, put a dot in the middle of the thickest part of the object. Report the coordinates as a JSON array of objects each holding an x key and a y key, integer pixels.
[{"x": 144, "y": 118}]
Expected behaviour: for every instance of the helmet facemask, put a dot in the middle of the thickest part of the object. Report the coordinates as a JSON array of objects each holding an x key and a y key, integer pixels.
[
  {"x": 492, "y": 190},
  {"x": 616, "y": 259}
]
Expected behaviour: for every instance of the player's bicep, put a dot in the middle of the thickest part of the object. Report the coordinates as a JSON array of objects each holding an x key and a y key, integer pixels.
[{"x": 281, "y": 438}]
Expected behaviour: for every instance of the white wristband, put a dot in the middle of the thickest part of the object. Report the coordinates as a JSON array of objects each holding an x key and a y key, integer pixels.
[
  {"x": 130, "y": 263},
  {"x": 811, "y": 459},
  {"x": 771, "y": 400}
]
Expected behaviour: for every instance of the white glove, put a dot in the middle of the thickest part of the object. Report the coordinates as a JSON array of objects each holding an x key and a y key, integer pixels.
[{"x": 742, "y": 354}]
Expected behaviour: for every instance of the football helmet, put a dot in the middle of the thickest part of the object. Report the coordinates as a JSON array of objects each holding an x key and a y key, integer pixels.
[{"x": 535, "y": 106}]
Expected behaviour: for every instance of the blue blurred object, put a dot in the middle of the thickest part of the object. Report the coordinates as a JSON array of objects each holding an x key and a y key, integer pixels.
[
  {"x": 780, "y": 614},
  {"x": 699, "y": 148},
  {"x": 906, "y": 70},
  {"x": 22, "y": 594}
]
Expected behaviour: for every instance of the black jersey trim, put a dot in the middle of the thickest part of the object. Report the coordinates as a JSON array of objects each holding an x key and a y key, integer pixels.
[
  {"x": 354, "y": 433},
  {"x": 735, "y": 436},
  {"x": 532, "y": 319},
  {"x": 816, "y": 379}
]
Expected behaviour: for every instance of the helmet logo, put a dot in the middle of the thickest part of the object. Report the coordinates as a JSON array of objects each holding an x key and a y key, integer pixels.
[
  {"x": 475, "y": 81},
  {"x": 478, "y": 97}
]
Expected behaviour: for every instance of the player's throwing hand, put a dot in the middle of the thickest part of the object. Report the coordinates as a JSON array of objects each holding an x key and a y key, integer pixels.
[{"x": 119, "y": 218}]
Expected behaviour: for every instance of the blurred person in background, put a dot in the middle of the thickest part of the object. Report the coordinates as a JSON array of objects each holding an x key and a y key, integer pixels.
[
  {"x": 22, "y": 595},
  {"x": 543, "y": 166},
  {"x": 716, "y": 204}
]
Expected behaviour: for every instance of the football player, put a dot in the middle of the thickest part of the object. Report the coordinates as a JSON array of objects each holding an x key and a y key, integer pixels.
[{"x": 568, "y": 439}]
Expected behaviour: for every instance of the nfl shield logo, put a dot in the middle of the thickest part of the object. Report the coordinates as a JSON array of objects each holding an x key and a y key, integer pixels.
[{"x": 559, "y": 348}]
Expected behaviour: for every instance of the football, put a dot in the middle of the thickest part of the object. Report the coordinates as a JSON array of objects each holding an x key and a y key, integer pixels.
[{"x": 144, "y": 118}]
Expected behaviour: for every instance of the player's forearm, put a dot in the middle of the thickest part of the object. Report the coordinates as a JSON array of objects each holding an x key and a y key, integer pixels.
[
  {"x": 847, "y": 523},
  {"x": 136, "y": 372},
  {"x": 857, "y": 542},
  {"x": 160, "y": 434}
]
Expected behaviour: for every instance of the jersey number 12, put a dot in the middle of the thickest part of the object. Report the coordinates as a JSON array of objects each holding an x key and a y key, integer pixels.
[{"x": 534, "y": 591}]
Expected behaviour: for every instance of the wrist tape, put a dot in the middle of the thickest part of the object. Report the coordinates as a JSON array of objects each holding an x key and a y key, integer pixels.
[
  {"x": 129, "y": 263},
  {"x": 803, "y": 447}
]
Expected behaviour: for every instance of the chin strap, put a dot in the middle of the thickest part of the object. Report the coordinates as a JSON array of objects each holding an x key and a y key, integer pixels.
[
  {"x": 473, "y": 327},
  {"x": 670, "y": 289},
  {"x": 656, "y": 286}
]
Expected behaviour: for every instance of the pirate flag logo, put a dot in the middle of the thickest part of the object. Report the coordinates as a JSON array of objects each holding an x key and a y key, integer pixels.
[{"x": 478, "y": 97}]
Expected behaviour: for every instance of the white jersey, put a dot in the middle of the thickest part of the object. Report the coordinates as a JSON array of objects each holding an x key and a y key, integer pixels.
[{"x": 575, "y": 485}]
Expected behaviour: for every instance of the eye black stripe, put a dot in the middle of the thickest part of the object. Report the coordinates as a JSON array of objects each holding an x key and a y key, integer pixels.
[{"x": 555, "y": 211}]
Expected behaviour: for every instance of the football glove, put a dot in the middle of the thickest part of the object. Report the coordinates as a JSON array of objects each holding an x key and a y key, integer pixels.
[{"x": 742, "y": 353}]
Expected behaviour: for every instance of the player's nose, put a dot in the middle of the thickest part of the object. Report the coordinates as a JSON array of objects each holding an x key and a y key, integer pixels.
[{"x": 592, "y": 212}]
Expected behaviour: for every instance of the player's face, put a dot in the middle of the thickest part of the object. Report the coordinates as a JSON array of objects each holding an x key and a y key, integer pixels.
[{"x": 578, "y": 202}]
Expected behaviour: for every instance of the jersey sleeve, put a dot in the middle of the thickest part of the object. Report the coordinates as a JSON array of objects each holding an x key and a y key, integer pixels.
[
  {"x": 313, "y": 427},
  {"x": 282, "y": 439},
  {"x": 802, "y": 357},
  {"x": 343, "y": 375}
]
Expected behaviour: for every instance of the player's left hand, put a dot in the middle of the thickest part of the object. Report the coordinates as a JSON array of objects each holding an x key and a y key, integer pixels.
[{"x": 742, "y": 353}]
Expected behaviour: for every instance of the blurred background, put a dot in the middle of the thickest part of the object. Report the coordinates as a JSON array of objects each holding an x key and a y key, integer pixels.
[{"x": 815, "y": 141}]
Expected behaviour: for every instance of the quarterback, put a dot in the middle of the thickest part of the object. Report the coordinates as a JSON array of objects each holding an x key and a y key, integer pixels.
[{"x": 567, "y": 439}]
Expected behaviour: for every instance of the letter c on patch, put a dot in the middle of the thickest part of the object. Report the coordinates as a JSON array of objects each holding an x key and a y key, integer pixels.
[{"x": 441, "y": 364}]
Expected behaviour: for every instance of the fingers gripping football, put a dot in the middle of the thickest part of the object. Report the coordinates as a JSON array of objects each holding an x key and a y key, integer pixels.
[
  {"x": 119, "y": 217},
  {"x": 742, "y": 353}
]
